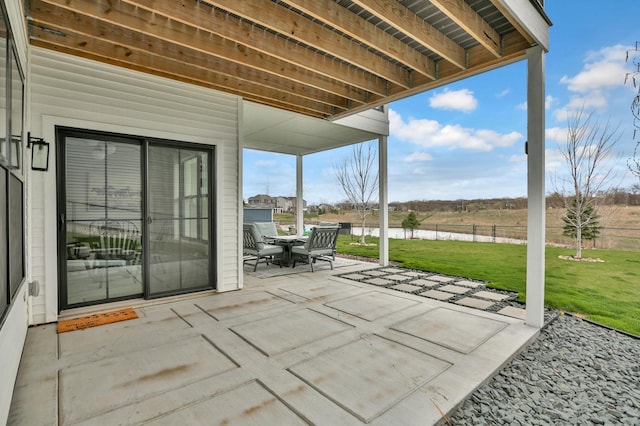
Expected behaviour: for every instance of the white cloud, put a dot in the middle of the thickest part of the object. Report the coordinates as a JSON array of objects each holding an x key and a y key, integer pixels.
[
  {"x": 603, "y": 69},
  {"x": 548, "y": 101},
  {"x": 504, "y": 93},
  {"x": 499, "y": 140},
  {"x": 418, "y": 156},
  {"x": 430, "y": 134},
  {"x": 457, "y": 100},
  {"x": 556, "y": 134},
  {"x": 595, "y": 101},
  {"x": 554, "y": 160}
]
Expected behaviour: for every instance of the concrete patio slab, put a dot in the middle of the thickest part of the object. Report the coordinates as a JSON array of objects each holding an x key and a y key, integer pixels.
[
  {"x": 468, "y": 283},
  {"x": 472, "y": 302},
  {"x": 319, "y": 290},
  {"x": 379, "y": 281},
  {"x": 398, "y": 277},
  {"x": 450, "y": 288},
  {"x": 288, "y": 331},
  {"x": 355, "y": 277},
  {"x": 425, "y": 283},
  {"x": 413, "y": 274},
  {"x": 437, "y": 294},
  {"x": 91, "y": 388},
  {"x": 514, "y": 312},
  {"x": 249, "y": 405},
  {"x": 370, "y": 375},
  {"x": 491, "y": 296},
  {"x": 307, "y": 348},
  {"x": 241, "y": 303},
  {"x": 460, "y": 331},
  {"x": 373, "y": 305},
  {"x": 441, "y": 278}
]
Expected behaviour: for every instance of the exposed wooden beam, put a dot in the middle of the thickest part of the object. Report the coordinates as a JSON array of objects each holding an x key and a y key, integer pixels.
[
  {"x": 407, "y": 22},
  {"x": 255, "y": 43},
  {"x": 515, "y": 49},
  {"x": 89, "y": 47},
  {"x": 290, "y": 24},
  {"x": 245, "y": 33},
  {"x": 462, "y": 14},
  {"x": 335, "y": 94},
  {"x": 332, "y": 14}
]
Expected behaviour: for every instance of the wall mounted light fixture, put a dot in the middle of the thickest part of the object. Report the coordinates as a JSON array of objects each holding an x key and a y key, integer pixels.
[{"x": 39, "y": 153}]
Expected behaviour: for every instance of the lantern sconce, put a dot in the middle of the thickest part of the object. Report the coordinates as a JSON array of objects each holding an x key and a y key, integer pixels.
[{"x": 39, "y": 153}]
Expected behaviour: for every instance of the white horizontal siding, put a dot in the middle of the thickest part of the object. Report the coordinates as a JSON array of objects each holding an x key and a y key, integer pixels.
[
  {"x": 74, "y": 92},
  {"x": 14, "y": 328}
]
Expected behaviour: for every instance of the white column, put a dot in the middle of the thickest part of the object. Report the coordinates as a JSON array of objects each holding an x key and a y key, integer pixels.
[
  {"x": 299, "y": 195},
  {"x": 535, "y": 186},
  {"x": 240, "y": 183},
  {"x": 383, "y": 200}
]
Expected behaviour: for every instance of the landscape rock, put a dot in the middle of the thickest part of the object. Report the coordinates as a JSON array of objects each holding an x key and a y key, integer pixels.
[{"x": 575, "y": 373}]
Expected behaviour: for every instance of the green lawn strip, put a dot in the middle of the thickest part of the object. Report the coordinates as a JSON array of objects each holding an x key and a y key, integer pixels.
[{"x": 605, "y": 292}]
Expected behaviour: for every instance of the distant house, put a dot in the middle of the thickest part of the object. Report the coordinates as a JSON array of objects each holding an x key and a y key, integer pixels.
[{"x": 279, "y": 204}]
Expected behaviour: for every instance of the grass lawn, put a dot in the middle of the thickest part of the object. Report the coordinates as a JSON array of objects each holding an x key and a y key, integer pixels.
[{"x": 605, "y": 292}]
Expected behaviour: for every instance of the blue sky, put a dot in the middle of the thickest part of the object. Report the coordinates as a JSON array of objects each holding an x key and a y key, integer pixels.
[{"x": 466, "y": 140}]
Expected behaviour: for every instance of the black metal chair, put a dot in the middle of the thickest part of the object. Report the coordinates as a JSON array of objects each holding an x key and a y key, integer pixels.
[
  {"x": 321, "y": 246},
  {"x": 254, "y": 247}
]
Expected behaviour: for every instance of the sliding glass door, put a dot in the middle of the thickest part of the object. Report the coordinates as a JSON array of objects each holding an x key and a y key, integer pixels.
[
  {"x": 179, "y": 227},
  {"x": 102, "y": 220},
  {"x": 134, "y": 218}
]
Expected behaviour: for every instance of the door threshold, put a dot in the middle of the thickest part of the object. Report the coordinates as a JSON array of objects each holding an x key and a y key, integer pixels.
[{"x": 131, "y": 303}]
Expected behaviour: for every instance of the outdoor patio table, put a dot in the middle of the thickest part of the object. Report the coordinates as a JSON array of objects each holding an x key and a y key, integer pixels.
[{"x": 286, "y": 241}]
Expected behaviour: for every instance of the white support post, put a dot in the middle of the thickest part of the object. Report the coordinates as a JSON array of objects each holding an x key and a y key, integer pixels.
[
  {"x": 299, "y": 200},
  {"x": 535, "y": 186},
  {"x": 383, "y": 200}
]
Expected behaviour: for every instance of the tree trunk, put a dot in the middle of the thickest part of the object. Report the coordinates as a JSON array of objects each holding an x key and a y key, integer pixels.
[
  {"x": 364, "y": 222},
  {"x": 579, "y": 242}
]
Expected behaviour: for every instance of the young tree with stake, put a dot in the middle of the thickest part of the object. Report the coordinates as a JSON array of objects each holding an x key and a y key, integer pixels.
[
  {"x": 587, "y": 154},
  {"x": 358, "y": 180}
]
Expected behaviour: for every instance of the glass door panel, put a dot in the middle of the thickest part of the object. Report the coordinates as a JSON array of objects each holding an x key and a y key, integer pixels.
[
  {"x": 103, "y": 220},
  {"x": 178, "y": 209}
]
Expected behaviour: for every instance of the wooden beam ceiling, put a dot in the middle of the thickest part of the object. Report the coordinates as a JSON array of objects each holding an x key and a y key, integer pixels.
[{"x": 322, "y": 58}]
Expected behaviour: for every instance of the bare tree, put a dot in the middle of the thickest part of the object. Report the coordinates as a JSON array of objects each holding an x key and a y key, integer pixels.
[
  {"x": 588, "y": 157},
  {"x": 358, "y": 180},
  {"x": 633, "y": 55}
]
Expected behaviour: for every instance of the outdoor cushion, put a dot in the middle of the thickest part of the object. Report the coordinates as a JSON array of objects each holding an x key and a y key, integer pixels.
[{"x": 266, "y": 228}]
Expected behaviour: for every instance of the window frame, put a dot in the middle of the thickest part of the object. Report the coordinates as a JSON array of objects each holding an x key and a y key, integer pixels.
[{"x": 12, "y": 237}]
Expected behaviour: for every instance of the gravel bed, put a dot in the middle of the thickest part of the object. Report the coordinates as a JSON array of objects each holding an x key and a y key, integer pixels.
[{"x": 575, "y": 373}]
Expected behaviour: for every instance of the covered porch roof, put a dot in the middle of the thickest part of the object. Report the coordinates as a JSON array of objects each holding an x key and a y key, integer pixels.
[
  {"x": 326, "y": 59},
  {"x": 270, "y": 129}
]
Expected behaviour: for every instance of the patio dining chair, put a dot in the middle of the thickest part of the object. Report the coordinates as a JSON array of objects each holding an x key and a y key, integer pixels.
[
  {"x": 253, "y": 246},
  {"x": 320, "y": 246}
]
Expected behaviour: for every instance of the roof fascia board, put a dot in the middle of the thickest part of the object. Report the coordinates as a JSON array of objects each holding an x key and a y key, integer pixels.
[{"x": 531, "y": 19}]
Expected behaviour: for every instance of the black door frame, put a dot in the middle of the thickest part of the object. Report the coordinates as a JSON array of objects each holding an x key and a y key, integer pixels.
[{"x": 61, "y": 133}]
